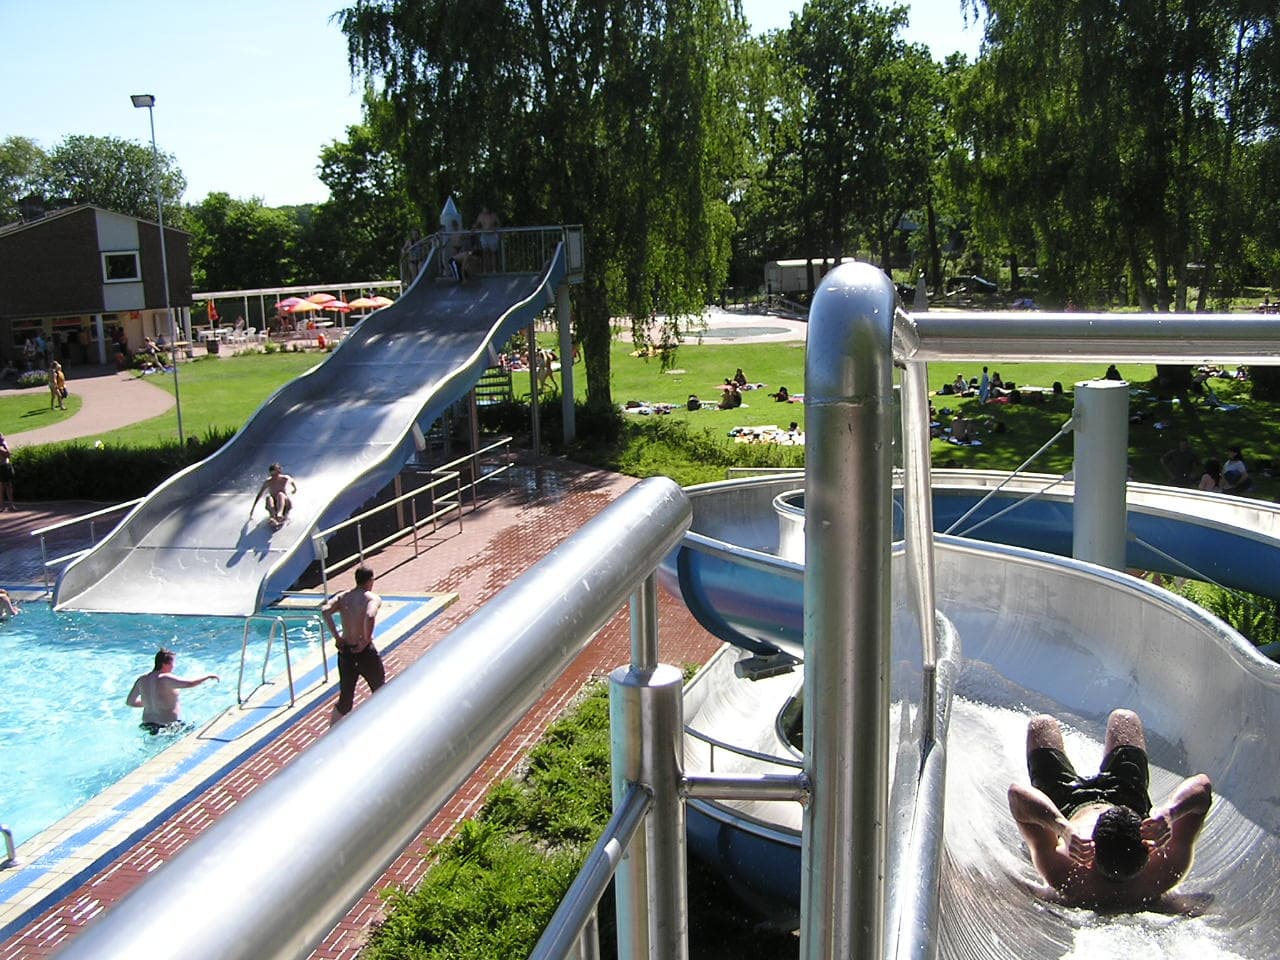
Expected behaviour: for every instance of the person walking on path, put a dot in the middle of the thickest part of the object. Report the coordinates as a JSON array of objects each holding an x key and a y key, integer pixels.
[
  {"x": 109, "y": 400},
  {"x": 57, "y": 386}
]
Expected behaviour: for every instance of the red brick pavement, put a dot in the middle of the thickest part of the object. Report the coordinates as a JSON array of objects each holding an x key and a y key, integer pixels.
[{"x": 550, "y": 499}]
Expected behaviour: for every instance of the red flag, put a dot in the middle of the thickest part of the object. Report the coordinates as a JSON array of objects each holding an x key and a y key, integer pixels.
[{"x": 213, "y": 312}]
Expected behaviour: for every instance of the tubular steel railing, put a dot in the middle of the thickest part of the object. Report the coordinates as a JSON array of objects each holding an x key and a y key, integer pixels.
[
  {"x": 447, "y": 478},
  {"x": 277, "y": 623},
  {"x": 89, "y": 518}
]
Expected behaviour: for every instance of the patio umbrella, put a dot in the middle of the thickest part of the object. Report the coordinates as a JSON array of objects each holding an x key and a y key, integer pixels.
[
  {"x": 304, "y": 306},
  {"x": 321, "y": 298},
  {"x": 382, "y": 301},
  {"x": 284, "y": 306},
  {"x": 339, "y": 306},
  {"x": 363, "y": 303}
]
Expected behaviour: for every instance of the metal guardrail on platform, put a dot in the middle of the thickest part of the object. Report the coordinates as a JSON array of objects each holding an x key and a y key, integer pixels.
[{"x": 91, "y": 519}]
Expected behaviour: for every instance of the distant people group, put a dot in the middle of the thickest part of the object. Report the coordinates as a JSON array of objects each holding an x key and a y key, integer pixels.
[{"x": 469, "y": 253}]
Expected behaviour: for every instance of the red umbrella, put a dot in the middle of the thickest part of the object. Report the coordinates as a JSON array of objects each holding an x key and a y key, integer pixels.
[
  {"x": 284, "y": 306},
  {"x": 340, "y": 306}
]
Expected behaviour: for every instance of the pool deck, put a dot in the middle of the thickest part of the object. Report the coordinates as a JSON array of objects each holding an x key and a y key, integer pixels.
[{"x": 549, "y": 499}]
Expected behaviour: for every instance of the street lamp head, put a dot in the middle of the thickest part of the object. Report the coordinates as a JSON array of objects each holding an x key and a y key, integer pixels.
[{"x": 143, "y": 100}]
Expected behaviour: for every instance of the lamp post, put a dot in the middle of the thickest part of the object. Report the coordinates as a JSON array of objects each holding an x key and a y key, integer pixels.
[{"x": 148, "y": 101}]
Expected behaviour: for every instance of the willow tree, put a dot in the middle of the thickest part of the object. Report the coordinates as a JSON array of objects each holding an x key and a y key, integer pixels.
[
  {"x": 1116, "y": 130},
  {"x": 616, "y": 115}
]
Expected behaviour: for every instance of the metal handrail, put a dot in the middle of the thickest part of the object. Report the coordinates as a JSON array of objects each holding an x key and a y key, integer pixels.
[
  {"x": 40, "y": 532},
  {"x": 727, "y": 747},
  {"x": 10, "y": 851},
  {"x": 276, "y": 622},
  {"x": 440, "y": 507}
]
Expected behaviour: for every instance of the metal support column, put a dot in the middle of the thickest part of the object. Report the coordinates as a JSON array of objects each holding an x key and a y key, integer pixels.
[
  {"x": 534, "y": 412},
  {"x": 1101, "y": 470},
  {"x": 646, "y": 719},
  {"x": 564, "y": 321},
  {"x": 848, "y": 536}
]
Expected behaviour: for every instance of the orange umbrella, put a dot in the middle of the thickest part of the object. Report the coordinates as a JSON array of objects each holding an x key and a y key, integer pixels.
[
  {"x": 382, "y": 301},
  {"x": 363, "y": 303},
  {"x": 321, "y": 298},
  {"x": 305, "y": 306}
]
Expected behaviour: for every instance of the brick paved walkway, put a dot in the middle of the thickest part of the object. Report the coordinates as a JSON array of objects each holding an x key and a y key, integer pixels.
[{"x": 550, "y": 499}]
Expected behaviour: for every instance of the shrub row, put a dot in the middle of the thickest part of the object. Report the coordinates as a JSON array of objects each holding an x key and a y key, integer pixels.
[{"x": 110, "y": 473}]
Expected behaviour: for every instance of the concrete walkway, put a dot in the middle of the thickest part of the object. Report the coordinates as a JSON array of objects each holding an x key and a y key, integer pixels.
[{"x": 110, "y": 400}]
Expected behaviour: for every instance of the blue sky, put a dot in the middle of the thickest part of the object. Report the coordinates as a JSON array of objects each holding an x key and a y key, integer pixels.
[{"x": 246, "y": 93}]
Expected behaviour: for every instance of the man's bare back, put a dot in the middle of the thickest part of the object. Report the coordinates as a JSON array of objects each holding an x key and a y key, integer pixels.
[
  {"x": 358, "y": 609},
  {"x": 157, "y": 692}
]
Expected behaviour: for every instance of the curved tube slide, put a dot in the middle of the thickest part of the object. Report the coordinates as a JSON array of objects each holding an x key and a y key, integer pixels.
[
  {"x": 1038, "y": 634},
  {"x": 343, "y": 430}
]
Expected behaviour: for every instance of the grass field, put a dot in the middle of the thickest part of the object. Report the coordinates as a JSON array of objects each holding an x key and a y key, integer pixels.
[
  {"x": 30, "y": 411},
  {"x": 693, "y": 446}
]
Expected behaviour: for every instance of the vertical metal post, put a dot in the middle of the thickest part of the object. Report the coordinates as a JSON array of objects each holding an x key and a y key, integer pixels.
[
  {"x": 646, "y": 722},
  {"x": 848, "y": 538},
  {"x": 534, "y": 411},
  {"x": 564, "y": 321},
  {"x": 589, "y": 942},
  {"x": 397, "y": 490},
  {"x": 1099, "y": 520},
  {"x": 917, "y": 504},
  {"x": 644, "y": 624},
  {"x": 360, "y": 541},
  {"x": 413, "y": 510}
]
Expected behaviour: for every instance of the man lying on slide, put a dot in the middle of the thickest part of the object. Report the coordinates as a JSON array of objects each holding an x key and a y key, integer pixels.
[{"x": 1096, "y": 840}]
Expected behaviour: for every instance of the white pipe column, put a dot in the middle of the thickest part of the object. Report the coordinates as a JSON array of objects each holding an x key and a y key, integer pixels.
[
  {"x": 564, "y": 321},
  {"x": 102, "y": 338},
  {"x": 1101, "y": 427}
]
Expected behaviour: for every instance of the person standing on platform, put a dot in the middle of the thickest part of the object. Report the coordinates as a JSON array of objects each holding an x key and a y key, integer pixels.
[{"x": 357, "y": 656}]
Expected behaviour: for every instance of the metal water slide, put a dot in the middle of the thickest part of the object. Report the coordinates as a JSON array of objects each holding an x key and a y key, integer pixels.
[
  {"x": 343, "y": 430},
  {"x": 1034, "y": 633}
]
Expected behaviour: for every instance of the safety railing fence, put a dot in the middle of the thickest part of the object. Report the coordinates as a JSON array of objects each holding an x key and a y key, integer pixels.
[
  {"x": 442, "y": 495},
  {"x": 91, "y": 519},
  {"x": 519, "y": 249}
]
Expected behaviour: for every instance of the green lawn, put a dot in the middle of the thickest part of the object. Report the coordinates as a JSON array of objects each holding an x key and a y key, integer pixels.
[
  {"x": 222, "y": 392},
  {"x": 30, "y": 411},
  {"x": 217, "y": 393}
]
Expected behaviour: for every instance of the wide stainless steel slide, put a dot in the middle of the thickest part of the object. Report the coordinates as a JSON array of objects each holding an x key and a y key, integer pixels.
[{"x": 343, "y": 430}]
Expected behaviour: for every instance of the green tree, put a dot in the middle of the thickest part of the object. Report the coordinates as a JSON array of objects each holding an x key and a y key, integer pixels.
[
  {"x": 238, "y": 244},
  {"x": 24, "y": 170},
  {"x": 618, "y": 116},
  {"x": 358, "y": 232},
  {"x": 116, "y": 175}
]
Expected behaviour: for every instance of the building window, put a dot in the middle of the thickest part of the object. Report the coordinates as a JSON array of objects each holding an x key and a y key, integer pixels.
[{"x": 121, "y": 266}]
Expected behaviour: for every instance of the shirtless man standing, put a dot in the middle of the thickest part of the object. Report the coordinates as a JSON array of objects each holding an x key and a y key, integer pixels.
[
  {"x": 157, "y": 693},
  {"x": 1097, "y": 840},
  {"x": 357, "y": 656},
  {"x": 488, "y": 223},
  {"x": 278, "y": 502}
]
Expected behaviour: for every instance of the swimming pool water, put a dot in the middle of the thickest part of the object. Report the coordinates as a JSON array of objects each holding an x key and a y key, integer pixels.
[{"x": 65, "y": 730}]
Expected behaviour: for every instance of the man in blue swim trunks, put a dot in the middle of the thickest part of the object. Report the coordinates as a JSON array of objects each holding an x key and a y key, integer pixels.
[{"x": 1096, "y": 840}]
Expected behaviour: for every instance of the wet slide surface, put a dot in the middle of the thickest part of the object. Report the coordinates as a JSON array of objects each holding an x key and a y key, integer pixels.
[
  {"x": 343, "y": 430},
  {"x": 1042, "y": 634}
]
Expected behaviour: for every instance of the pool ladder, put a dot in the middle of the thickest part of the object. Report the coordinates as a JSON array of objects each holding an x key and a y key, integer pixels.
[
  {"x": 10, "y": 851},
  {"x": 279, "y": 625}
]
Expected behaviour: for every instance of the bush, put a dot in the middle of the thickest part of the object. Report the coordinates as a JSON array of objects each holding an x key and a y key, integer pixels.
[
  {"x": 33, "y": 378},
  {"x": 1255, "y": 618},
  {"x": 77, "y": 471}
]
